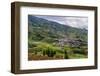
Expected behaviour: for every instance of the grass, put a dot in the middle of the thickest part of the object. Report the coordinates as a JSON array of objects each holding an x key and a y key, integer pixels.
[
  {"x": 77, "y": 56},
  {"x": 45, "y": 51}
]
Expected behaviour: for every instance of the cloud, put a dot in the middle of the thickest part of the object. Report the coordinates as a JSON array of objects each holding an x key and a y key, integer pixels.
[{"x": 78, "y": 22}]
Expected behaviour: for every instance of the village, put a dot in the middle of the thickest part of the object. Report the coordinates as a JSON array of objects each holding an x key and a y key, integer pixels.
[{"x": 70, "y": 42}]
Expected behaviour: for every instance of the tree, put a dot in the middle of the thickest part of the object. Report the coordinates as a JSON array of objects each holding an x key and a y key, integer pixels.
[
  {"x": 66, "y": 55},
  {"x": 67, "y": 51},
  {"x": 50, "y": 52}
]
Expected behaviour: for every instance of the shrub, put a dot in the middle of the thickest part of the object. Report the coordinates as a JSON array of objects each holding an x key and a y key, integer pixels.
[
  {"x": 50, "y": 51},
  {"x": 66, "y": 55},
  {"x": 79, "y": 51},
  {"x": 30, "y": 50}
]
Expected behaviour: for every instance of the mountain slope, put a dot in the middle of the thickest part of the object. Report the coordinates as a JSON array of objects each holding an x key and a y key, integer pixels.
[{"x": 40, "y": 29}]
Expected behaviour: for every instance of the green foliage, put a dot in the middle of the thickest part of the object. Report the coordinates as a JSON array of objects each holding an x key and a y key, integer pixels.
[
  {"x": 42, "y": 29},
  {"x": 44, "y": 36},
  {"x": 50, "y": 52},
  {"x": 66, "y": 54},
  {"x": 80, "y": 51},
  {"x": 47, "y": 49}
]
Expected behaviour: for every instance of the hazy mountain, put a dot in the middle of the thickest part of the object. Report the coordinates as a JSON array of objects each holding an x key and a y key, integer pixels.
[{"x": 40, "y": 29}]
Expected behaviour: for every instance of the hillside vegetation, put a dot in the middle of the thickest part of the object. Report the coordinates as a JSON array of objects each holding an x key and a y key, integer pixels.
[{"x": 52, "y": 40}]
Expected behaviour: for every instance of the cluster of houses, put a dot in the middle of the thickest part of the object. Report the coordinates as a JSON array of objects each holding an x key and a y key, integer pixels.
[{"x": 70, "y": 42}]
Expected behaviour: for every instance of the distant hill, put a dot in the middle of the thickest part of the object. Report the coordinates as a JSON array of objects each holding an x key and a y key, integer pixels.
[{"x": 40, "y": 29}]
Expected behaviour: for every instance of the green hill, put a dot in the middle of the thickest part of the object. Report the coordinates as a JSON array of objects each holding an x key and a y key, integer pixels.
[
  {"x": 52, "y": 38},
  {"x": 42, "y": 29}
]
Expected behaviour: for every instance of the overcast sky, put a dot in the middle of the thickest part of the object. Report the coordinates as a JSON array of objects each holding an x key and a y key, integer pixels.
[{"x": 78, "y": 22}]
